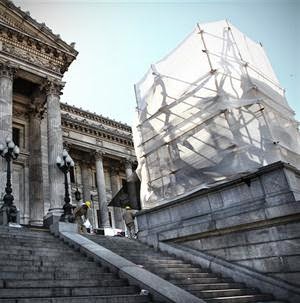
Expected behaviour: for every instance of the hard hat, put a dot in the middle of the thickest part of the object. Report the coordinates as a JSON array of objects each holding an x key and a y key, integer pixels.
[
  {"x": 88, "y": 204},
  {"x": 127, "y": 207}
]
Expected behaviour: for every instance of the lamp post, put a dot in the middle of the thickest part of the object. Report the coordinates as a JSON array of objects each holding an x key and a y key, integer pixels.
[
  {"x": 9, "y": 152},
  {"x": 77, "y": 192},
  {"x": 64, "y": 164}
]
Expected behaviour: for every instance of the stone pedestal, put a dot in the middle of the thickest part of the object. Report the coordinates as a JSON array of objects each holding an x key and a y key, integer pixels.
[
  {"x": 252, "y": 221},
  {"x": 4, "y": 218}
]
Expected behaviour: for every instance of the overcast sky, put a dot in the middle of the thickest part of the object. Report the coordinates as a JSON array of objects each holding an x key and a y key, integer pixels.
[{"x": 118, "y": 40}]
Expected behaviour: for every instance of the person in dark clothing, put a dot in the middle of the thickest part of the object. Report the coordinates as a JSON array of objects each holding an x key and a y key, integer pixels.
[{"x": 129, "y": 222}]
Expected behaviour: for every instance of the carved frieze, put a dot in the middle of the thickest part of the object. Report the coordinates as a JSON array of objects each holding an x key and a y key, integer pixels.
[
  {"x": 100, "y": 133},
  {"x": 33, "y": 57},
  {"x": 25, "y": 39},
  {"x": 97, "y": 118},
  {"x": 21, "y": 114}
]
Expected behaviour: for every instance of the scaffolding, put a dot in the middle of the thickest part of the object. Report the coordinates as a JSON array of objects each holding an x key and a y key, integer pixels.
[{"x": 210, "y": 111}]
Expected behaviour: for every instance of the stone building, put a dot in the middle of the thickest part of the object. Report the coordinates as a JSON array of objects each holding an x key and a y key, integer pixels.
[{"x": 33, "y": 61}]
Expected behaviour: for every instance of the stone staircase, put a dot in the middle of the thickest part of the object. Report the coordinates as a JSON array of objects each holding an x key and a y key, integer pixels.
[
  {"x": 36, "y": 267},
  {"x": 211, "y": 287}
]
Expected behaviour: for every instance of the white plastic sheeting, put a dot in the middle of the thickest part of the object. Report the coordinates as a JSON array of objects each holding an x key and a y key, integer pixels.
[{"x": 209, "y": 112}]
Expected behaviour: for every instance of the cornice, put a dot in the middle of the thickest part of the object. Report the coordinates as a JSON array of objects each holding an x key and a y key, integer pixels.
[
  {"x": 41, "y": 28},
  {"x": 33, "y": 51},
  {"x": 95, "y": 131},
  {"x": 18, "y": 42},
  {"x": 95, "y": 117}
]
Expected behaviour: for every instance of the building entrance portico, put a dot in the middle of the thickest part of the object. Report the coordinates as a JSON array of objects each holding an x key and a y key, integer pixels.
[{"x": 33, "y": 61}]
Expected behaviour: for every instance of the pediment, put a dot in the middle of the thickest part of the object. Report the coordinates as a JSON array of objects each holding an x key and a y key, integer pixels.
[{"x": 13, "y": 17}]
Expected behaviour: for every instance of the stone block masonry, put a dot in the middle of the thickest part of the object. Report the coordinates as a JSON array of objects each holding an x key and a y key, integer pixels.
[{"x": 253, "y": 222}]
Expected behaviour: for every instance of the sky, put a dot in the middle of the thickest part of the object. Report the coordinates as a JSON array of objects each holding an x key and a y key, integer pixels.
[{"x": 119, "y": 40}]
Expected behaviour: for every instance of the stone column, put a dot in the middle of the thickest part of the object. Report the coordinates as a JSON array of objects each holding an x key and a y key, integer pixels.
[
  {"x": 114, "y": 176},
  {"x": 35, "y": 164},
  {"x": 86, "y": 183},
  {"x": 104, "y": 217},
  {"x": 6, "y": 100},
  {"x": 130, "y": 185},
  {"x": 55, "y": 148}
]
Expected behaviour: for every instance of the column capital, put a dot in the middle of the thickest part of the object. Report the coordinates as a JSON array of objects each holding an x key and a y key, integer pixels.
[
  {"x": 67, "y": 146},
  {"x": 53, "y": 87},
  {"x": 7, "y": 70},
  {"x": 114, "y": 171},
  {"x": 37, "y": 107},
  {"x": 98, "y": 154},
  {"x": 127, "y": 162}
]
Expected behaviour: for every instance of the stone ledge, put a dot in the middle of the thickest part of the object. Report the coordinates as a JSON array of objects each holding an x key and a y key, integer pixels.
[
  {"x": 204, "y": 191},
  {"x": 279, "y": 289},
  {"x": 159, "y": 288}
]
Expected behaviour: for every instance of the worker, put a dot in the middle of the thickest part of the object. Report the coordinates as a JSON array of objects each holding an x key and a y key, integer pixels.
[
  {"x": 79, "y": 212},
  {"x": 129, "y": 222}
]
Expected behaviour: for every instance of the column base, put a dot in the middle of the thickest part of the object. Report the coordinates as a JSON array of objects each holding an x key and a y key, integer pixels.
[
  {"x": 106, "y": 231},
  {"x": 16, "y": 225},
  {"x": 37, "y": 223},
  {"x": 53, "y": 216}
]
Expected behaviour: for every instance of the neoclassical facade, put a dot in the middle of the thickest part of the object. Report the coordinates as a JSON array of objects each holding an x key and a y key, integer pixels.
[{"x": 33, "y": 61}]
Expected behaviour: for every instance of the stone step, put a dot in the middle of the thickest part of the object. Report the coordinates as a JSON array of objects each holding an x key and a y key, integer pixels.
[
  {"x": 29, "y": 236},
  {"x": 29, "y": 249},
  {"x": 62, "y": 283},
  {"x": 204, "y": 294},
  {"x": 95, "y": 299},
  {"x": 166, "y": 262},
  {"x": 168, "y": 265},
  {"x": 241, "y": 299},
  {"x": 175, "y": 275},
  {"x": 66, "y": 291},
  {"x": 34, "y": 240},
  {"x": 39, "y": 262},
  {"x": 149, "y": 257},
  {"x": 211, "y": 286},
  {"x": 54, "y": 275},
  {"x": 179, "y": 281},
  {"x": 44, "y": 252},
  {"x": 186, "y": 271},
  {"x": 44, "y": 258},
  {"x": 30, "y": 244},
  {"x": 145, "y": 258},
  {"x": 68, "y": 267}
]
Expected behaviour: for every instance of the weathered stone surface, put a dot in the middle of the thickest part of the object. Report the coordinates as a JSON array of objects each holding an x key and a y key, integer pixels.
[
  {"x": 278, "y": 288},
  {"x": 6, "y": 93},
  {"x": 160, "y": 288},
  {"x": 101, "y": 189},
  {"x": 254, "y": 224},
  {"x": 55, "y": 148}
]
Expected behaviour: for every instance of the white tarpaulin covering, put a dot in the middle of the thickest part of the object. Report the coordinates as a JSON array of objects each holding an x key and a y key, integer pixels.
[{"x": 210, "y": 111}]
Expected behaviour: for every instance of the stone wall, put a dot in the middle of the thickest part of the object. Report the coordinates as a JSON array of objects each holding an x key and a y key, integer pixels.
[
  {"x": 253, "y": 221},
  {"x": 274, "y": 250}
]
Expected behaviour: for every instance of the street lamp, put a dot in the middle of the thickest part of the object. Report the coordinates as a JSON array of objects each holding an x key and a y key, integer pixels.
[
  {"x": 9, "y": 152},
  {"x": 64, "y": 164}
]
